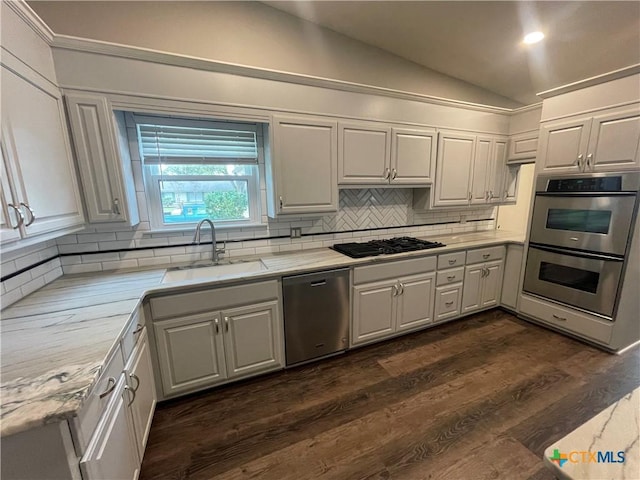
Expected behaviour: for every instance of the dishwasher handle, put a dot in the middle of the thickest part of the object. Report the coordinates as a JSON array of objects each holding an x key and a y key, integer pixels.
[{"x": 319, "y": 283}]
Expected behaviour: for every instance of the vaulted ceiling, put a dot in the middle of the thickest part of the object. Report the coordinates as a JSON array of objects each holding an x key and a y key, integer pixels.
[{"x": 481, "y": 42}]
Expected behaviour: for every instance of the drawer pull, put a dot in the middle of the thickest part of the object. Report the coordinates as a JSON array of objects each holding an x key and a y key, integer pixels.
[
  {"x": 111, "y": 385},
  {"x": 448, "y": 304},
  {"x": 486, "y": 255},
  {"x": 226, "y": 324},
  {"x": 452, "y": 262},
  {"x": 562, "y": 319},
  {"x": 138, "y": 329},
  {"x": 451, "y": 278},
  {"x": 133, "y": 376}
]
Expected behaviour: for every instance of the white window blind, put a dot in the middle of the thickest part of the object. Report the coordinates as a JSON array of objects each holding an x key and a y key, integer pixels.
[{"x": 177, "y": 144}]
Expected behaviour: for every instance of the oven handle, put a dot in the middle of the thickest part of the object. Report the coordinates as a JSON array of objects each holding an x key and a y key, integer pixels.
[{"x": 576, "y": 253}]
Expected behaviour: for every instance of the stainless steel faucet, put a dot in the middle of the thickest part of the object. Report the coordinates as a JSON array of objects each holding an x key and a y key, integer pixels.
[{"x": 196, "y": 239}]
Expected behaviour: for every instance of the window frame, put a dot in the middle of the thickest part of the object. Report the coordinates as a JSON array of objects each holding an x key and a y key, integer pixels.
[{"x": 153, "y": 193}]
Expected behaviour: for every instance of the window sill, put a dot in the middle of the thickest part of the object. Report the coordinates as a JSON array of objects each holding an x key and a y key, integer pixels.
[{"x": 191, "y": 228}]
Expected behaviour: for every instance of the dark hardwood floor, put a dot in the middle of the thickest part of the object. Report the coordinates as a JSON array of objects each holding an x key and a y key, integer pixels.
[{"x": 479, "y": 398}]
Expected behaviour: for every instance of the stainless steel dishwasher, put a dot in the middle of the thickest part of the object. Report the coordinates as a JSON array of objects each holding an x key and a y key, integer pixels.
[{"x": 316, "y": 315}]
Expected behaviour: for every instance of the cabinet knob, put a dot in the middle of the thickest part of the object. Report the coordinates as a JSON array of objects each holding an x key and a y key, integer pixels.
[
  {"x": 31, "y": 214},
  {"x": 19, "y": 214}
]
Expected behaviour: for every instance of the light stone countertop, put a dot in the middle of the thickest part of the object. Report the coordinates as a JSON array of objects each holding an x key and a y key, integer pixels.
[
  {"x": 594, "y": 450},
  {"x": 55, "y": 342}
]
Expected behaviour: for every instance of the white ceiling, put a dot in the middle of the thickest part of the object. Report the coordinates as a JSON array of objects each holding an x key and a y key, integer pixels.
[{"x": 480, "y": 42}]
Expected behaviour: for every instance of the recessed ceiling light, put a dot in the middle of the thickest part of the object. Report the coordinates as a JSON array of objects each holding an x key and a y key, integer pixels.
[{"x": 533, "y": 37}]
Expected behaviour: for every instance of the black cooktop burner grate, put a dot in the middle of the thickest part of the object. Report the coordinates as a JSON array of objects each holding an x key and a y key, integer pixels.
[{"x": 384, "y": 247}]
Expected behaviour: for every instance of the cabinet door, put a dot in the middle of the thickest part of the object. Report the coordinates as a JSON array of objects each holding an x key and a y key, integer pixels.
[
  {"x": 252, "y": 338},
  {"x": 496, "y": 181},
  {"x": 140, "y": 380},
  {"x": 373, "y": 311},
  {"x": 481, "y": 170},
  {"x": 9, "y": 214},
  {"x": 511, "y": 280},
  {"x": 563, "y": 145},
  {"x": 37, "y": 152},
  {"x": 413, "y": 153},
  {"x": 112, "y": 450},
  {"x": 491, "y": 284},
  {"x": 363, "y": 154},
  {"x": 453, "y": 169},
  {"x": 415, "y": 301},
  {"x": 523, "y": 147},
  {"x": 190, "y": 352},
  {"x": 472, "y": 291},
  {"x": 448, "y": 302},
  {"x": 305, "y": 164},
  {"x": 615, "y": 141},
  {"x": 94, "y": 137}
]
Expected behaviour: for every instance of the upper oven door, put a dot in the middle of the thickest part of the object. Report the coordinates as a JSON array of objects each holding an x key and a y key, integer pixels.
[
  {"x": 596, "y": 223},
  {"x": 588, "y": 282}
]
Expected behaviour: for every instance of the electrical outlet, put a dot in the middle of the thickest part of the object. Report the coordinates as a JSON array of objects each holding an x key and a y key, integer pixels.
[{"x": 296, "y": 232}]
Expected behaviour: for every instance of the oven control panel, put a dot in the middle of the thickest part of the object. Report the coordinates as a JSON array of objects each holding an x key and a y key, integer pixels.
[{"x": 585, "y": 184}]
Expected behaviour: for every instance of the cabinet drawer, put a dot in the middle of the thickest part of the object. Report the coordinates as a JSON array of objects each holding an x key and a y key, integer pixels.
[
  {"x": 485, "y": 255},
  {"x": 132, "y": 333},
  {"x": 452, "y": 275},
  {"x": 450, "y": 260},
  {"x": 448, "y": 302},
  {"x": 94, "y": 406},
  {"x": 402, "y": 268},
  {"x": 182, "y": 304},
  {"x": 577, "y": 322}
]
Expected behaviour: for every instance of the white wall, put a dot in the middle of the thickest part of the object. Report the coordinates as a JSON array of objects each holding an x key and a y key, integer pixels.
[
  {"x": 515, "y": 218},
  {"x": 251, "y": 33}
]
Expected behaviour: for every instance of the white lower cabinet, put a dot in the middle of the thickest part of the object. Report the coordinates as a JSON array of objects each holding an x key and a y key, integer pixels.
[
  {"x": 448, "y": 302},
  {"x": 117, "y": 445},
  {"x": 482, "y": 286},
  {"x": 203, "y": 350},
  {"x": 382, "y": 309},
  {"x": 112, "y": 452}
]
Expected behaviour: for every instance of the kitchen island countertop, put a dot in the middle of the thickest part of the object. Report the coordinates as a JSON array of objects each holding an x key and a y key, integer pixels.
[{"x": 55, "y": 342}]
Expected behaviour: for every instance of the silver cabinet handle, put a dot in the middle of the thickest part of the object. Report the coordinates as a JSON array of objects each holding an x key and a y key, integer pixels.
[
  {"x": 401, "y": 288},
  {"x": 562, "y": 319},
  {"x": 387, "y": 173},
  {"x": 19, "y": 214},
  {"x": 452, "y": 262},
  {"x": 138, "y": 329},
  {"x": 448, "y": 304},
  {"x": 216, "y": 323},
  {"x": 451, "y": 278},
  {"x": 133, "y": 376},
  {"x": 116, "y": 206},
  {"x": 281, "y": 202},
  {"x": 470, "y": 196},
  {"x": 111, "y": 384},
  {"x": 395, "y": 291},
  {"x": 226, "y": 324},
  {"x": 486, "y": 255},
  {"x": 488, "y": 272},
  {"x": 133, "y": 394},
  {"x": 394, "y": 174},
  {"x": 579, "y": 161},
  {"x": 589, "y": 158},
  {"x": 31, "y": 213}
]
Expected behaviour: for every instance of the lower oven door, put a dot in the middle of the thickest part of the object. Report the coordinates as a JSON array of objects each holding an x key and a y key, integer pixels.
[{"x": 586, "y": 281}]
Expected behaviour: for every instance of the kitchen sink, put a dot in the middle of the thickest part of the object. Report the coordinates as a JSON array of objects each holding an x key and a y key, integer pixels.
[{"x": 211, "y": 271}]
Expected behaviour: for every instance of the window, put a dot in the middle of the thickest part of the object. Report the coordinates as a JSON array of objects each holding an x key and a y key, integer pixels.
[{"x": 197, "y": 169}]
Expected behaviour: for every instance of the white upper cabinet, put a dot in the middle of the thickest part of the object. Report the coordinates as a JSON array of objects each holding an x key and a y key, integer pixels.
[
  {"x": 454, "y": 168},
  {"x": 302, "y": 169},
  {"x": 377, "y": 154},
  {"x": 523, "y": 147},
  {"x": 499, "y": 181},
  {"x": 40, "y": 190},
  {"x": 413, "y": 153},
  {"x": 605, "y": 142},
  {"x": 364, "y": 152},
  {"x": 482, "y": 170},
  {"x": 105, "y": 169}
]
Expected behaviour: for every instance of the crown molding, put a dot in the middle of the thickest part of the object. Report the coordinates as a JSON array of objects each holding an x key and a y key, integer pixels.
[
  {"x": 589, "y": 82},
  {"x": 66, "y": 42},
  {"x": 31, "y": 18}
]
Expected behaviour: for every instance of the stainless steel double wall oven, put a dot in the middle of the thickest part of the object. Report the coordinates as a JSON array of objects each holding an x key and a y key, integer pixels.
[{"x": 580, "y": 235}]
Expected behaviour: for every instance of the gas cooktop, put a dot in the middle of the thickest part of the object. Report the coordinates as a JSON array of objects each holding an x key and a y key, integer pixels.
[{"x": 384, "y": 247}]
